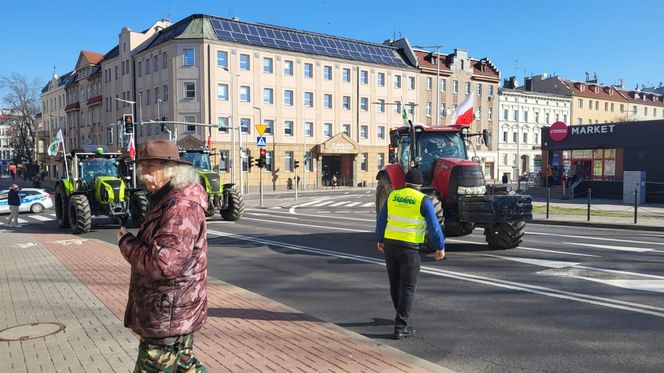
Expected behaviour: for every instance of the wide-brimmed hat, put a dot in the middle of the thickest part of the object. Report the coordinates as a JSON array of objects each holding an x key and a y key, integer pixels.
[{"x": 160, "y": 150}]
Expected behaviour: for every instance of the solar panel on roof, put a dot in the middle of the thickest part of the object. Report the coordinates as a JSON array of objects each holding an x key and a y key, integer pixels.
[{"x": 266, "y": 36}]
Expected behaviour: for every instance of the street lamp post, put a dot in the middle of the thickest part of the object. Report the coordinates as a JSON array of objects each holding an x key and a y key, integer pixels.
[
  {"x": 133, "y": 138},
  {"x": 437, "y": 79}
]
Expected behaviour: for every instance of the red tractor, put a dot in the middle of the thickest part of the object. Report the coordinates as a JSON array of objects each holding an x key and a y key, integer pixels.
[{"x": 455, "y": 184}]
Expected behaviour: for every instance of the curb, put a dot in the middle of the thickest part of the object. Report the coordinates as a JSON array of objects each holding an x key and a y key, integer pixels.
[{"x": 597, "y": 225}]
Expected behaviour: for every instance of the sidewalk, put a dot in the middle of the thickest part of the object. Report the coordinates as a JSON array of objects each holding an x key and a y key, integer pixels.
[{"x": 83, "y": 284}]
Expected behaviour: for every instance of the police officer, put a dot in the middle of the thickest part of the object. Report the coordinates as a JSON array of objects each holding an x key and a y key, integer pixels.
[{"x": 402, "y": 223}]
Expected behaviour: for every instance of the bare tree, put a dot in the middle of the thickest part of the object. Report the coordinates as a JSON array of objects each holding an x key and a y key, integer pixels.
[{"x": 21, "y": 99}]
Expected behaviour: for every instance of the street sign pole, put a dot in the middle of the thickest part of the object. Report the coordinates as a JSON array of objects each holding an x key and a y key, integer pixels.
[
  {"x": 260, "y": 185},
  {"x": 261, "y": 141},
  {"x": 296, "y": 183}
]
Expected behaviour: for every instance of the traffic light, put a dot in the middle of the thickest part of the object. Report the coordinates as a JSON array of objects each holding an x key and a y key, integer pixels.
[
  {"x": 250, "y": 161},
  {"x": 261, "y": 160},
  {"x": 128, "y": 121},
  {"x": 163, "y": 125},
  {"x": 296, "y": 163}
]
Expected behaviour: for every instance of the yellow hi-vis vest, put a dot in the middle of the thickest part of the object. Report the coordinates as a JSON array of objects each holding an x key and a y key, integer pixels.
[{"x": 404, "y": 221}]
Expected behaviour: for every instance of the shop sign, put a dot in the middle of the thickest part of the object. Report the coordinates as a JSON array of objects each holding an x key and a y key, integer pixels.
[
  {"x": 587, "y": 130},
  {"x": 558, "y": 131}
]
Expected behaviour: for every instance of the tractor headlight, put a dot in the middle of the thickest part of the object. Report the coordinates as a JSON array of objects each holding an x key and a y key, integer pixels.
[{"x": 472, "y": 190}]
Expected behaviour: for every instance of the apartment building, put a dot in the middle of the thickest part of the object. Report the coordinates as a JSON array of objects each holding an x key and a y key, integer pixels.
[
  {"x": 458, "y": 76},
  {"x": 6, "y": 150},
  {"x": 522, "y": 115},
  {"x": 595, "y": 103}
]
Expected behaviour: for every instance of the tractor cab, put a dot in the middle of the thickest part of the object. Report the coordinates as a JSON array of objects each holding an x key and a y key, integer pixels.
[{"x": 200, "y": 159}]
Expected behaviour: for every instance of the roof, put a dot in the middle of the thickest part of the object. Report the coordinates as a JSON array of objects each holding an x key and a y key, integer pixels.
[
  {"x": 201, "y": 26},
  {"x": 114, "y": 52},
  {"x": 92, "y": 57},
  {"x": 483, "y": 67},
  {"x": 603, "y": 92},
  {"x": 62, "y": 80}
]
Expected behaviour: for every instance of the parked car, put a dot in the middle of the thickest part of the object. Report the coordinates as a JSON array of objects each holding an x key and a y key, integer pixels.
[{"x": 32, "y": 199}]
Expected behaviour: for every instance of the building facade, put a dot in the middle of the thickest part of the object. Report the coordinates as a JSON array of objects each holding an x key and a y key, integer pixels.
[
  {"x": 6, "y": 150},
  {"x": 54, "y": 119},
  {"x": 453, "y": 77},
  {"x": 522, "y": 115}
]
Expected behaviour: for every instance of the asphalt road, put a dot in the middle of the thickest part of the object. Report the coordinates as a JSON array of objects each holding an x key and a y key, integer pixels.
[{"x": 570, "y": 299}]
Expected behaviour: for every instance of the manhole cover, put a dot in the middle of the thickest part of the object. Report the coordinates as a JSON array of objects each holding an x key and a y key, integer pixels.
[{"x": 30, "y": 331}]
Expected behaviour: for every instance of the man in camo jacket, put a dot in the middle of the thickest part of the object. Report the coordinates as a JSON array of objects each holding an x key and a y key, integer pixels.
[{"x": 168, "y": 258}]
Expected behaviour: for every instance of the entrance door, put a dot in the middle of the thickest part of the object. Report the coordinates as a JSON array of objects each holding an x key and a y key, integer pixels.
[{"x": 331, "y": 167}]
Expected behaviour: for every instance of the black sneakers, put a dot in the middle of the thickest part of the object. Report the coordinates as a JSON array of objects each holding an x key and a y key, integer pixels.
[{"x": 405, "y": 332}]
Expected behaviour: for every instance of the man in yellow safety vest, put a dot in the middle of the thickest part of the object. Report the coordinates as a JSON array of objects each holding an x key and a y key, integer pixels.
[{"x": 400, "y": 229}]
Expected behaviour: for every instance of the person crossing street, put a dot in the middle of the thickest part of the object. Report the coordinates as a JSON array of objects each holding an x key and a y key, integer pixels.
[
  {"x": 14, "y": 202},
  {"x": 402, "y": 223}
]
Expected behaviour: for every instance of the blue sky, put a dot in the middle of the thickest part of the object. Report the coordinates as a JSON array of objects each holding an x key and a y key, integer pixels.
[{"x": 614, "y": 39}]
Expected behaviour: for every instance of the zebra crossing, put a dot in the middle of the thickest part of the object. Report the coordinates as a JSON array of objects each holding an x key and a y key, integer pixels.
[
  {"x": 25, "y": 219},
  {"x": 335, "y": 205}
]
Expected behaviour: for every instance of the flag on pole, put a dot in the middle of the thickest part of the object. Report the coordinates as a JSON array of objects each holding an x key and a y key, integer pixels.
[
  {"x": 405, "y": 117},
  {"x": 54, "y": 148},
  {"x": 209, "y": 142},
  {"x": 131, "y": 149},
  {"x": 463, "y": 114}
]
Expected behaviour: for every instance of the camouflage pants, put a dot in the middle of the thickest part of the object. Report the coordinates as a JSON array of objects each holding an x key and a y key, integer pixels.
[{"x": 167, "y": 355}]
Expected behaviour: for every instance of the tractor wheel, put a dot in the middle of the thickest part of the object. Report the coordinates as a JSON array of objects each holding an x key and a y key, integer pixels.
[
  {"x": 457, "y": 228},
  {"x": 138, "y": 207},
  {"x": 438, "y": 209},
  {"x": 505, "y": 235},
  {"x": 211, "y": 206},
  {"x": 61, "y": 215},
  {"x": 80, "y": 218},
  {"x": 235, "y": 207},
  {"x": 383, "y": 190}
]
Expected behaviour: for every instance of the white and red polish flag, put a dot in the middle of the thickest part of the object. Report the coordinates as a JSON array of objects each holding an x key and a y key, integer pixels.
[
  {"x": 131, "y": 149},
  {"x": 463, "y": 114}
]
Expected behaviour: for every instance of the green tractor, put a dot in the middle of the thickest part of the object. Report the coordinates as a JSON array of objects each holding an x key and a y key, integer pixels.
[
  {"x": 95, "y": 186},
  {"x": 223, "y": 197}
]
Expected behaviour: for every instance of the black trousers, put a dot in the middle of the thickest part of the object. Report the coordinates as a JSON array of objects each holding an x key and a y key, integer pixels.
[{"x": 403, "y": 269}]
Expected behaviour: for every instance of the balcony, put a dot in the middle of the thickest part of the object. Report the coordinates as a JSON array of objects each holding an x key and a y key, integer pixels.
[{"x": 75, "y": 106}]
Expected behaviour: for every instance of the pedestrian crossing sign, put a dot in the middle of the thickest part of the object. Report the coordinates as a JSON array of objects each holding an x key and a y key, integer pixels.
[{"x": 261, "y": 141}]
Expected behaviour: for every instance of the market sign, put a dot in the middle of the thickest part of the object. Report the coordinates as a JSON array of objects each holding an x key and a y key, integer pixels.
[
  {"x": 558, "y": 131},
  {"x": 587, "y": 130}
]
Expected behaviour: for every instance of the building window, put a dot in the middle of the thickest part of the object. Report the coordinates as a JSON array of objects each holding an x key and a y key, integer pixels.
[
  {"x": 364, "y": 132},
  {"x": 190, "y": 119},
  {"x": 612, "y": 107},
  {"x": 222, "y": 124},
  {"x": 606, "y": 106},
  {"x": 164, "y": 60},
  {"x": 428, "y": 109},
  {"x": 565, "y": 118},
  {"x": 155, "y": 64},
  {"x": 579, "y": 103},
  {"x": 622, "y": 108},
  {"x": 222, "y": 59},
  {"x": 505, "y": 137},
  {"x": 443, "y": 110},
  {"x": 490, "y": 91},
  {"x": 165, "y": 93},
  {"x": 479, "y": 89},
  {"x": 380, "y": 160},
  {"x": 308, "y": 129},
  {"x": 411, "y": 83},
  {"x": 245, "y": 125},
  {"x": 327, "y": 129},
  {"x": 547, "y": 118},
  {"x": 309, "y": 99},
  {"x": 327, "y": 72},
  {"x": 397, "y": 81},
  {"x": 156, "y": 95},
  {"x": 397, "y": 107},
  {"x": 525, "y": 117},
  {"x": 536, "y": 138},
  {"x": 308, "y": 70},
  {"x": 478, "y": 114},
  {"x": 467, "y": 88},
  {"x": 380, "y": 132},
  {"x": 364, "y": 77},
  {"x": 288, "y": 161},
  {"x": 245, "y": 62},
  {"x": 269, "y": 123},
  {"x": 380, "y": 79},
  {"x": 525, "y": 137},
  {"x": 381, "y": 105},
  {"x": 515, "y": 137},
  {"x": 288, "y": 128},
  {"x": 346, "y": 75},
  {"x": 455, "y": 86},
  {"x": 245, "y": 93},
  {"x": 590, "y": 104},
  {"x": 189, "y": 90},
  {"x": 147, "y": 65},
  {"x": 288, "y": 97},
  {"x": 327, "y": 101},
  {"x": 429, "y": 83},
  {"x": 490, "y": 113},
  {"x": 222, "y": 92},
  {"x": 597, "y": 105},
  {"x": 223, "y": 160},
  {"x": 307, "y": 162},
  {"x": 140, "y": 68},
  {"x": 364, "y": 103},
  {"x": 187, "y": 54},
  {"x": 268, "y": 67},
  {"x": 345, "y": 128},
  {"x": 364, "y": 162},
  {"x": 269, "y": 160},
  {"x": 537, "y": 117},
  {"x": 268, "y": 96},
  {"x": 516, "y": 115},
  {"x": 288, "y": 68},
  {"x": 443, "y": 85},
  {"x": 346, "y": 102}
]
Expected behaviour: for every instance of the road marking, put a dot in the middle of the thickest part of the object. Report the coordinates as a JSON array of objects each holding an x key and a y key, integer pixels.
[
  {"x": 310, "y": 225},
  {"x": 321, "y": 212},
  {"x": 556, "y": 252},
  {"x": 308, "y": 203},
  {"x": 368, "y": 204},
  {"x": 592, "y": 238},
  {"x": 494, "y": 282},
  {"x": 40, "y": 218},
  {"x": 22, "y": 221},
  {"x": 643, "y": 285},
  {"x": 25, "y": 245},
  {"x": 338, "y": 204},
  {"x": 322, "y": 203},
  {"x": 536, "y": 262},
  {"x": 353, "y": 204},
  {"x": 75, "y": 241},
  {"x": 612, "y": 247}
]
